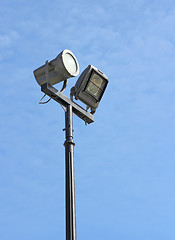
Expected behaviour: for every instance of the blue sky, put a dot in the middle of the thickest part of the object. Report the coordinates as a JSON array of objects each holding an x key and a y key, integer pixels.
[{"x": 124, "y": 161}]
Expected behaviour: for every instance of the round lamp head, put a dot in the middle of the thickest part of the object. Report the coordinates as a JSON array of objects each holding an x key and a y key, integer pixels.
[{"x": 64, "y": 66}]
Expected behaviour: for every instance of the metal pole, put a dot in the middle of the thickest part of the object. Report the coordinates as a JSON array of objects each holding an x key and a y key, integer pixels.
[{"x": 70, "y": 179}]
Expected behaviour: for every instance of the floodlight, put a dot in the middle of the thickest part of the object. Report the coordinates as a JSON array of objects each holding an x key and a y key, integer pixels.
[
  {"x": 90, "y": 87},
  {"x": 64, "y": 66}
]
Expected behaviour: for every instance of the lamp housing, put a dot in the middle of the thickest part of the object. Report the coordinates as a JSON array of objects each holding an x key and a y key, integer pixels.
[
  {"x": 90, "y": 87},
  {"x": 64, "y": 66}
]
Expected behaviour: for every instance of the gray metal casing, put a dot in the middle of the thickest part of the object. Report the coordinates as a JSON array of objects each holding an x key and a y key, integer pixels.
[
  {"x": 57, "y": 70},
  {"x": 80, "y": 86}
]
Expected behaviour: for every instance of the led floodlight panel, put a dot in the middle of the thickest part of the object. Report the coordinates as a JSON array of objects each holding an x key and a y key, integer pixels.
[{"x": 91, "y": 86}]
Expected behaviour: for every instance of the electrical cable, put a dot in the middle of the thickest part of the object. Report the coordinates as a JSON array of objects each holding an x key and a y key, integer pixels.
[{"x": 43, "y": 98}]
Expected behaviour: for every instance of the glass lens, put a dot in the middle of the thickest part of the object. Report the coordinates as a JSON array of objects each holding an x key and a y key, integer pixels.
[
  {"x": 94, "y": 90},
  {"x": 97, "y": 80},
  {"x": 70, "y": 63}
]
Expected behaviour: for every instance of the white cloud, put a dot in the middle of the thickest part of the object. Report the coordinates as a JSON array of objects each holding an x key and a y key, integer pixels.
[
  {"x": 8, "y": 39},
  {"x": 7, "y": 43}
]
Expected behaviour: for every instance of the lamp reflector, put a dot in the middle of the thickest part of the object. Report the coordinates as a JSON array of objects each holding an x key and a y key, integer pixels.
[
  {"x": 70, "y": 63},
  {"x": 96, "y": 85}
]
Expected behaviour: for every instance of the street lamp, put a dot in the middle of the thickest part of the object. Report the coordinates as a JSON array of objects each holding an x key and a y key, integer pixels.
[{"x": 89, "y": 89}]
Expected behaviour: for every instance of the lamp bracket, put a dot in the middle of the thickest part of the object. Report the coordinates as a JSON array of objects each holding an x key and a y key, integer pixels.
[{"x": 65, "y": 101}]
